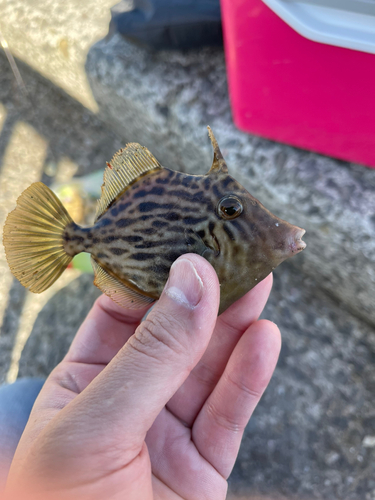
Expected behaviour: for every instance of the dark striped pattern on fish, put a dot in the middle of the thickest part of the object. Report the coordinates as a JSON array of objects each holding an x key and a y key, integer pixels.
[
  {"x": 166, "y": 214},
  {"x": 161, "y": 217},
  {"x": 147, "y": 217}
]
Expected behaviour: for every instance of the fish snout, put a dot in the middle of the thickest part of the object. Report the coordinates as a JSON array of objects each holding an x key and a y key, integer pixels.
[
  {"x": 287, "y": 241},
  {"x": 295, "y": 242}
]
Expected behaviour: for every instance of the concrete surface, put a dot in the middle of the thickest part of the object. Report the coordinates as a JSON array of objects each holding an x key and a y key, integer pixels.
[
  {"x": 313, "y": 434},
  {"x": 67, "y": 309},
  {"x": 165, "y": 101},
  {"x": 47, "y": 136},
  {"x": 53, "y": 38}
]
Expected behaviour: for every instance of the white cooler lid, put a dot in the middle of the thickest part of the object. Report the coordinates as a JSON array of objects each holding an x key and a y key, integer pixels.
[{"x": 344, "y": 23}]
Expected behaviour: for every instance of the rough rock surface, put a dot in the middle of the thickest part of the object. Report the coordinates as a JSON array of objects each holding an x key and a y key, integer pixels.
[
  {"x": 313, "y": 434},
  {"x": 165, "y": 101},
  {"x": 54, "y": 38}
]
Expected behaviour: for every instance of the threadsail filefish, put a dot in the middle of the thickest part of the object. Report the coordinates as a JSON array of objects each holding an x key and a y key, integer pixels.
[{"x": 148, "y": 216}]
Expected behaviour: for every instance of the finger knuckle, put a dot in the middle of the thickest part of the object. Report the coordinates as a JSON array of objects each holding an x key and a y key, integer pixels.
[
  {"x": 244, "y": 388},
  {"x": 225, "y": 419},
  {"x": 160, "y": 336}
]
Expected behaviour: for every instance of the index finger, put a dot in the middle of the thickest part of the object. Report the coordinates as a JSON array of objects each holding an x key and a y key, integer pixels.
[{"x": 105, "y": 330}]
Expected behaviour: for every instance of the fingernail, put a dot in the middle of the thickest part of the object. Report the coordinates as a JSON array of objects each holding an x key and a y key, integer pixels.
[{"x": 184, "y": 284}]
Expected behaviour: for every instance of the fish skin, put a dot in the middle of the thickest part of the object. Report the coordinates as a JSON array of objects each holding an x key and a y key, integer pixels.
[
  {"x": 147, "y": 217},
  {"x": 165, "y": 214}
]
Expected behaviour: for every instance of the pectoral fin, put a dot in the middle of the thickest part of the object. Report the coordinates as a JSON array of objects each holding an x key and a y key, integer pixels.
[{"x": 117, "y": 291}]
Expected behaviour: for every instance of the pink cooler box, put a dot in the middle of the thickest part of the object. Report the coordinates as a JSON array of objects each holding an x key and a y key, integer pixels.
[{"x": 289, "y": 88}]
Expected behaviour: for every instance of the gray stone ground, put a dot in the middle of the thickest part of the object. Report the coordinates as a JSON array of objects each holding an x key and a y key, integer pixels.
[
  {"x": 165, "y": 101},
  {"x": 313, "y": 434}
]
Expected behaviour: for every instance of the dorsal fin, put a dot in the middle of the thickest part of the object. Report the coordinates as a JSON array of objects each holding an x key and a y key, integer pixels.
[
  {"x": 126, "y": 165},
  {"x": 218, "y": 163}
]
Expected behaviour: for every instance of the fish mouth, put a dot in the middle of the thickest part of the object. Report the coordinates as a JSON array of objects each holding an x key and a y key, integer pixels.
[{"x": 297, "y": 245}]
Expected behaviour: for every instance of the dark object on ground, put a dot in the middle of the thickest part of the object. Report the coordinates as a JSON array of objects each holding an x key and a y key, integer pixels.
[{"x": 169, "y": 24}]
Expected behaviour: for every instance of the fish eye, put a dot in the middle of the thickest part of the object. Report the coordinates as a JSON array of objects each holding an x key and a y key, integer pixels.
[{"x": 229, "y": 207}]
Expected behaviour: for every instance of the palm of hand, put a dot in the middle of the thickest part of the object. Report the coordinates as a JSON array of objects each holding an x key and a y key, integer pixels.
[{"x": 161, "y": 417}]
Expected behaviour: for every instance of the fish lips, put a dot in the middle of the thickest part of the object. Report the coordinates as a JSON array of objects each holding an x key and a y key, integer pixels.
[
  {"x": 288, "y": 242},
  {"x": 295, "y": 242}
]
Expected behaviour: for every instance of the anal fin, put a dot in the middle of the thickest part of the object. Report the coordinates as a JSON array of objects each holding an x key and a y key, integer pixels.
[{"x": 117, "y": 291}]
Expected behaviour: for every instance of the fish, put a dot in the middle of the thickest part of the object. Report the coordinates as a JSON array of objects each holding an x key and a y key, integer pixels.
[{"x": 147, "y": 216}]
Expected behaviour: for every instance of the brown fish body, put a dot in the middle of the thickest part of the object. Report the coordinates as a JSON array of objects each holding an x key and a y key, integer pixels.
[
  {"x": 161, "y": 214},
  {"x": 167, "y": 214}
]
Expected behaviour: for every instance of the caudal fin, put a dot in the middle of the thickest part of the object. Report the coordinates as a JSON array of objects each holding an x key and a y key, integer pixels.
[{"x": 33, "y": 238}]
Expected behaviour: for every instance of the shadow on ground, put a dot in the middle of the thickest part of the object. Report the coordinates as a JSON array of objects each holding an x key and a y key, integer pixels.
[{"x": 71, "y": 133}]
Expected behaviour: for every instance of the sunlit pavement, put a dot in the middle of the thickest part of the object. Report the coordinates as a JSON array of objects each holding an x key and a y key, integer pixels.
[
  {"x": 53, "y": 38},
  {"x": 36, "y": 128}
]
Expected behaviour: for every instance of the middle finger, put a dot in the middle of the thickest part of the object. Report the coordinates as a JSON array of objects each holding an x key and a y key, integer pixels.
[{"x": 230, "y": 326}]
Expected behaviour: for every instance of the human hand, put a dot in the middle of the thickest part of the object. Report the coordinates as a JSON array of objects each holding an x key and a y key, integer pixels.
[{"x": 156, "y": 414}]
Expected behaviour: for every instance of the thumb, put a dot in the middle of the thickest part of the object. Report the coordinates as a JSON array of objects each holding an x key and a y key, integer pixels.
[{"x": 126, "y": 397}]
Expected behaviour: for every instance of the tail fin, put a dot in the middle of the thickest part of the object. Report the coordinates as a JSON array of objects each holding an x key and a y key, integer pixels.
[{"x": 33, "y": 238}]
